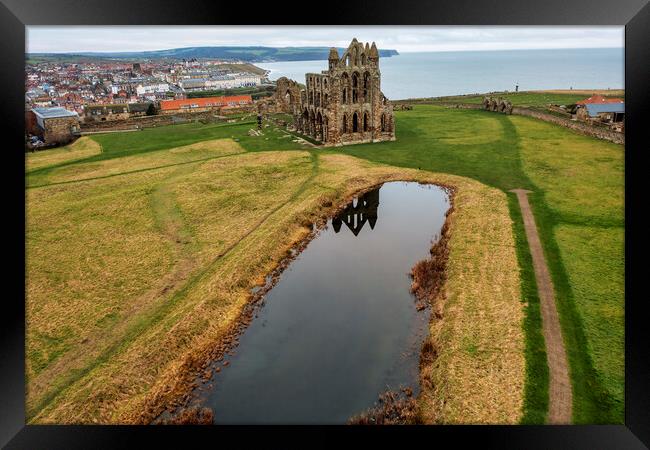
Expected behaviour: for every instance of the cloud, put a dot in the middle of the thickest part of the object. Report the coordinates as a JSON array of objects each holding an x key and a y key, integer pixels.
[{"x": 57, "y": 39}]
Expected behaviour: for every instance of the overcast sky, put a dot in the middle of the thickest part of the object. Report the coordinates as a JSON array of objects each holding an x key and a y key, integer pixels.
[{"x": 47, "y": 39}]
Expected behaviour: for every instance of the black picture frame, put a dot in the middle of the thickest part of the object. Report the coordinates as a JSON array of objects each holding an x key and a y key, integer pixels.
[{"x": 633, "y": 14}]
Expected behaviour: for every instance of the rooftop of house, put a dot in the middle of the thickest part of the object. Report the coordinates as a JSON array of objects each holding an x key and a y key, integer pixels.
[
  {"x": 597, "y": 99},
  {"x": 52, "y": 113}
]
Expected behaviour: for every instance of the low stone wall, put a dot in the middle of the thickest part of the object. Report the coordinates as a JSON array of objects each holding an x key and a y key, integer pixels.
[
  {"x": 460, "y": 105},
  {"x": 214, "y": 115},
  {"x": 150, "y": 121},
  {"x": 580, "y": 127}
]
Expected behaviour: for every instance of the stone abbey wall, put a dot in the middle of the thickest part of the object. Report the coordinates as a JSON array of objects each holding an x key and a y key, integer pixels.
[{"x": 341, "y": 105}]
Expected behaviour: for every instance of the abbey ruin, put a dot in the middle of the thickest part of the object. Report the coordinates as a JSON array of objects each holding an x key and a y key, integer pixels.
[
  {"x": 341, "y": 105},
  {"x": 497, "y": 105}
]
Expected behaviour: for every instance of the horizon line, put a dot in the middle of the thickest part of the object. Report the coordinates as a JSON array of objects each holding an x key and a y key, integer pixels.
[{"x": 82, "y": 52}]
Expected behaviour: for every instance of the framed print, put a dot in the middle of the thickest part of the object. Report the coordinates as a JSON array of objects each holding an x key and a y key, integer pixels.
[{"x": 418, "y": 216}]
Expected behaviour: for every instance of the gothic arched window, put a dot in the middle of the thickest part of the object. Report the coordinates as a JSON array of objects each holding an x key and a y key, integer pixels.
[
  {"x": 366, "y": 86},
  {"x": 345, "y": 86}
]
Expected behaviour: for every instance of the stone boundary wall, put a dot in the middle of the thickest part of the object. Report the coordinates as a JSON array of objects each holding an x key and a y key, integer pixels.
[
  {"x": 162, "y": 120},
  {"x": 460, "y": 105},
  {"x": 86, "y": 133},
  {"x": 149, "y": 121},
  {"x": 580, "y": 127}
]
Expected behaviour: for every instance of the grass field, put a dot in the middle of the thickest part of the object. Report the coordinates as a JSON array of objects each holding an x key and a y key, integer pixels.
[
  {"x": 578, "y": 198},
  {"x": 152, "y": 245},
  {"x": 80, "y": 149},
  {"x": 530, "y": 98}
]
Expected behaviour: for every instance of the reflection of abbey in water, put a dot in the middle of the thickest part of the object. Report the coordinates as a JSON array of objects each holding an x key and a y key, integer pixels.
[{"x": 355, "y": 217}]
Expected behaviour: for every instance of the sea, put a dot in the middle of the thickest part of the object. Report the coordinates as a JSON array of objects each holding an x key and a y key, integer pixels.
[{"x": 434, "y": 74}]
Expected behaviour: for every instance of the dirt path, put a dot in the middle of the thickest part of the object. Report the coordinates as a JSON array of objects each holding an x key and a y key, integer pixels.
[{"x": 560, "y": 395}]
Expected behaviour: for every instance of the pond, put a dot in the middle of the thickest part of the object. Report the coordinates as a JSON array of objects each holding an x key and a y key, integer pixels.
[{"x": 340, "y": 327}]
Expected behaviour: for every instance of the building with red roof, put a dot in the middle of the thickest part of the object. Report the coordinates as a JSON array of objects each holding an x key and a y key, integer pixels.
[
  {"x": 204, "y": 104},
  {"x": 596, "y": 98}
]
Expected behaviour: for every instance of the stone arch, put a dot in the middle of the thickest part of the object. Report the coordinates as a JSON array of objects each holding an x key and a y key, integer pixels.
[
  {"x": 364, "y": 61},
  {"x": 355, "y": 87},
  {"x": 367, "y": 83},
  {"x": 366, "y": 124},
  {"x": 312, "y": 123},
  {"x": 325, "y": 128},
  {"x": 383, "y": 122},
  {"x": 344, "y": 124},
  {"x": 319, "y": 126},
  {"x": 345, "y": 88},
  {"x": 305, "y": 119},
  {"x": 355, "y": 122}
]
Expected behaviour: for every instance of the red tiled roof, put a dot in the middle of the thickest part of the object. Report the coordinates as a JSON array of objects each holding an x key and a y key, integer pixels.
[
  {"x": 599, "y": 99},
  {"x": 168, "y": 105}
]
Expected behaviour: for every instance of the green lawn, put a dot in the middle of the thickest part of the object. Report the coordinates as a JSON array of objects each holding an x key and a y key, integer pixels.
[
  {"x": 532, "y": 99},
  {"x": 578, "y": 203},
  {"x": 577, "y": 198},
  {"x": 119, "y": 145}
]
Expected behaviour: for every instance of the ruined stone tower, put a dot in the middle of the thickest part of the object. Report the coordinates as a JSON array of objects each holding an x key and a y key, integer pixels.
[{"x": 344, "y": 104}]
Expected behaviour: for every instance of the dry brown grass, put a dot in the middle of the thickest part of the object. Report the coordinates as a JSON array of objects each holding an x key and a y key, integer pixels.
[
  {"x": 393, "y": 408},
  {"x": 79, "y": 149},
  {"x": 138, "y": 162},
  {"x": 238, "y": 216},
  {"x": 191, "y": 416},
  {"x": 428, "y": 275}
]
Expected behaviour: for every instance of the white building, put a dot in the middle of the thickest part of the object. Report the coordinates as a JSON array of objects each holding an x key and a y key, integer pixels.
[
  {"x": 151, "y": 88},
  {"x": 221, "y": 82}
]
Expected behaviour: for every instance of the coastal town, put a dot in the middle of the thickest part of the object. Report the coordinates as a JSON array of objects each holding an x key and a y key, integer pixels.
[{"x": 74, "y": 94}]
